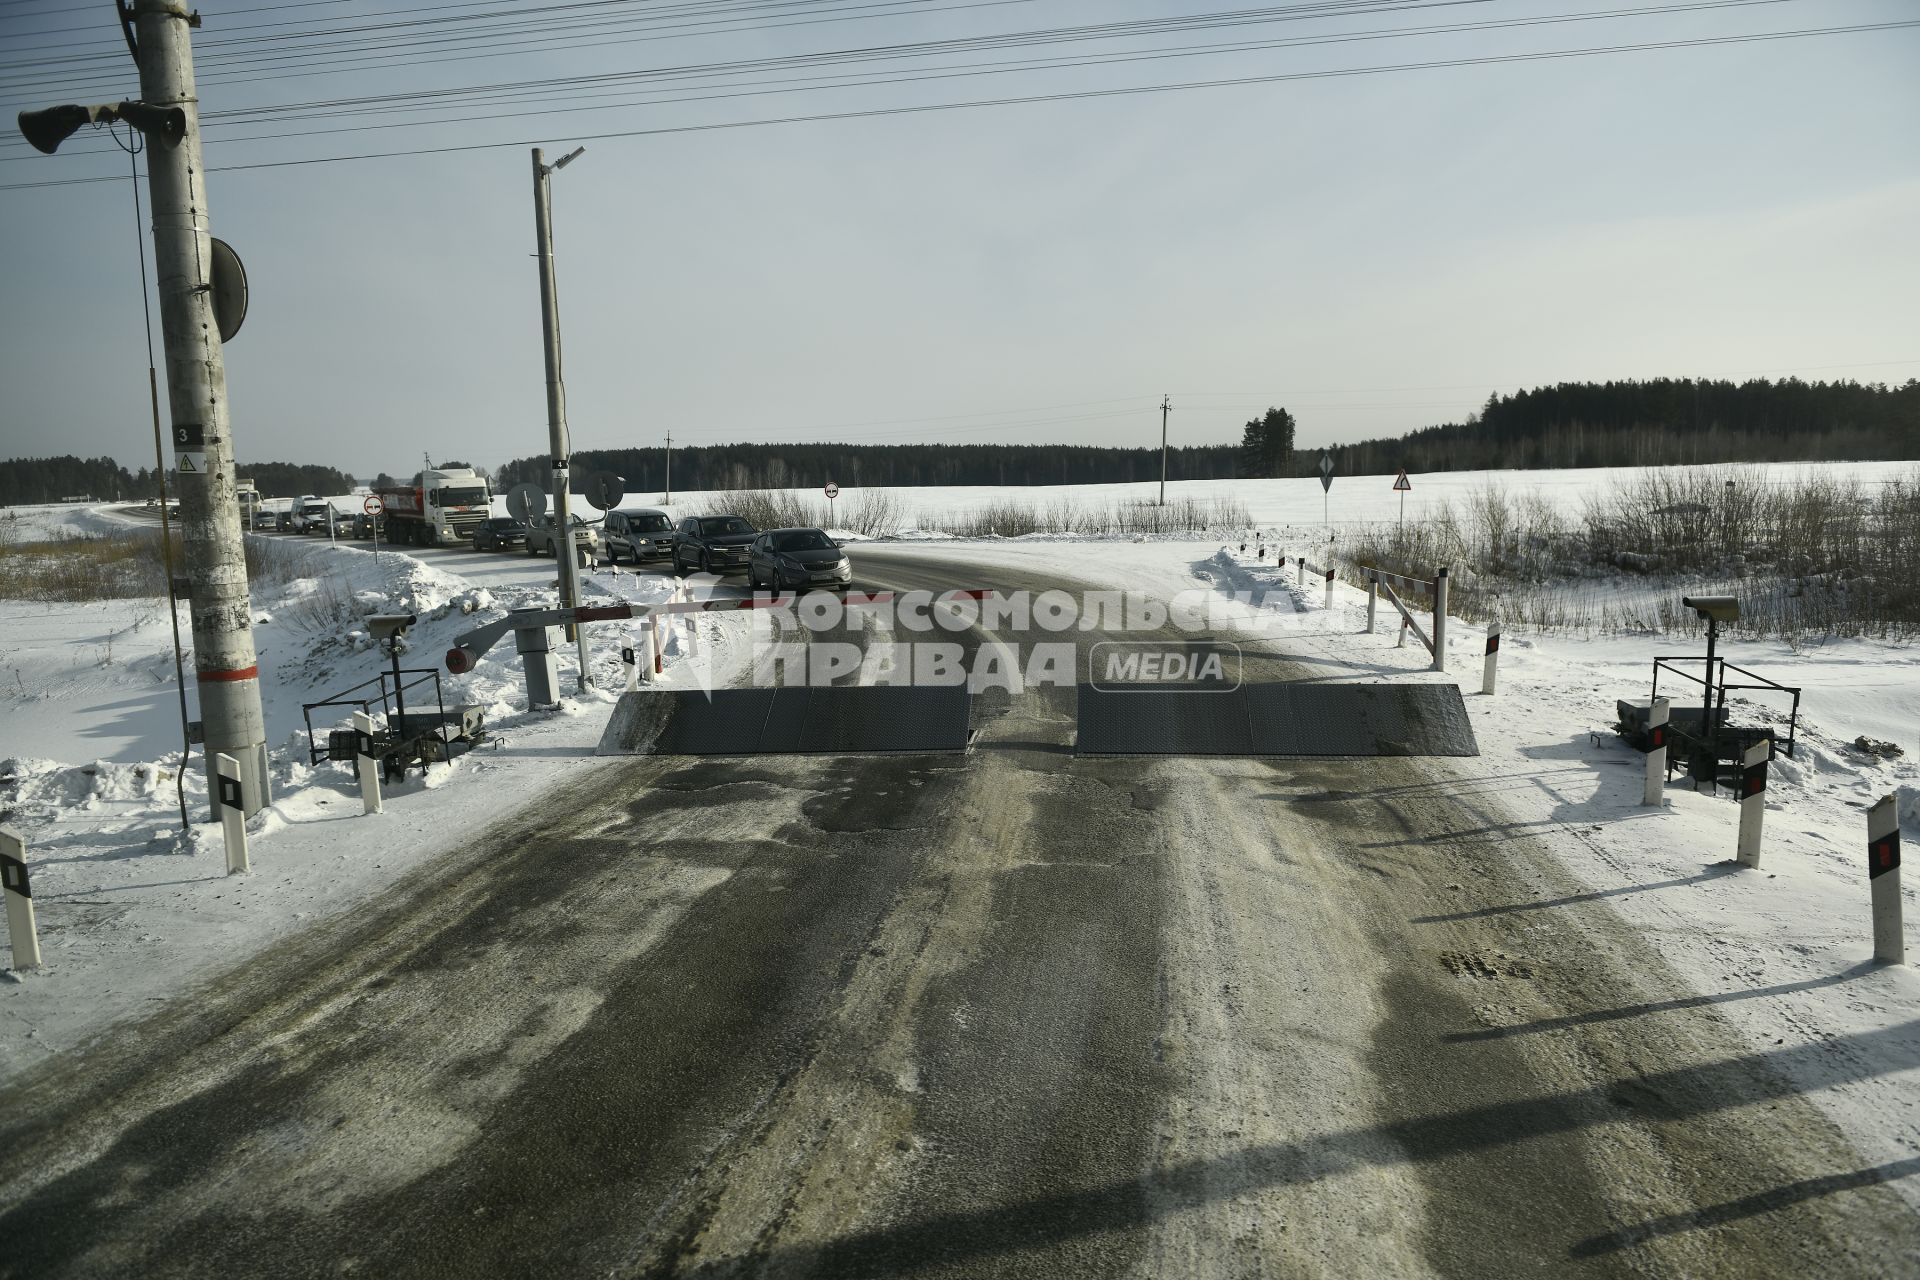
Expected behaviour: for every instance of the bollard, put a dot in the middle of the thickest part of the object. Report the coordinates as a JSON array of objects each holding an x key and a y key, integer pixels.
[
  {"x": 1440, "y": 619},
  {"x": 1329, "y": 587},
  {"x": 233, "y": 814},
  {"x": 21, "y": 929},
  {"x": 631, "y": 660},
  {"x": 1489, "y": 673},
  {"x": 1401, "y": 643},
  {"x": 1753, "y": 800},
  {"x": 1301, "y": 574},
  {"x": 365, "y": 763},
  {"x": 1883, "y": 877},
  {"x": 658, "y": 664},
  {"x": 1655, "y": 793},
  {"x": 1373, "y": 597}
]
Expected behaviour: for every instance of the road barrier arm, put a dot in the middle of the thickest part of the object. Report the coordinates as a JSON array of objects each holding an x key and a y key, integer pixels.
[{"x": 1406, "y": 615}]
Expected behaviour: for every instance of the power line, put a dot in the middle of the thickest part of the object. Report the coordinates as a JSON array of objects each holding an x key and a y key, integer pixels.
[
  {"x": 395, "y": 104},
  {"x": 519, "y": 43},
  {"x": 1126, "y": 91}
]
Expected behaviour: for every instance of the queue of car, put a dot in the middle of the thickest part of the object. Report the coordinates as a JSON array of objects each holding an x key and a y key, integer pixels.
[{"x": 780, "y": 559}]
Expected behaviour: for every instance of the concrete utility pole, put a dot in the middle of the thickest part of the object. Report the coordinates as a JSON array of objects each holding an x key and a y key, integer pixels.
[
  {"x": 223, "y": 656},
  {"x": 558, "y": 444},
  {"x": 1166, "y": 404}
]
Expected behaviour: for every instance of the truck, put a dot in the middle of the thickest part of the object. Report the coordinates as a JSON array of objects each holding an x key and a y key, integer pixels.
[
  {"x": 249, "y": 499},
  {"x": 443, "y": 506}
]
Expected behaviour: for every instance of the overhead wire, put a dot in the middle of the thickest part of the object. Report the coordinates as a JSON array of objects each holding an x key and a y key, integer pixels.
[
  {"x": 520, "y": 45},
  {"x": 845, "y": 80},
  {"x": 1035, "y": 99},
  {"x": 415, "y": 102}
]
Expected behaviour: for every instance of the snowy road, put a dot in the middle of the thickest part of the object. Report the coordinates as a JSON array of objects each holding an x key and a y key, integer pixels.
[{"x": 1021, "y": 1014}]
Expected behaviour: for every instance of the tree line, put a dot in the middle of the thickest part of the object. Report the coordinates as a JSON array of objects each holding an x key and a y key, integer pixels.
[
  {"x": 31, "y": 481},
  {"x": 1662, "y": 421},
  {"x": 800, "y": 466}
]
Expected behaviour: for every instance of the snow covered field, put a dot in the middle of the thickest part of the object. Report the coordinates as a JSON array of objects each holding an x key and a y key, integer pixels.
[
  {"x": 1279, "y": 503},
  {"x": 131, "y": 915}
]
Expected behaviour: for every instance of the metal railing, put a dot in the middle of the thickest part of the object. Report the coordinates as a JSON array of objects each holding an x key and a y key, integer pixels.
[
  {"x": 391, "y": 695},
  {"x": 1714, "y": 691}
]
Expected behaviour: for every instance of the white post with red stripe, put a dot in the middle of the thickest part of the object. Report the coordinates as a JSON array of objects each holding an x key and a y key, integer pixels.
[
  {"x": 1489, "y": 675},
  {"x": 1883, "y": 877},
  {"x": 1753, "y": 800},
  {"x": 1656, "y": 790},
  {"x": 653, "y": 642},
  {"x": 21, "y": 929},
  {"x": 233, "y": 813}
]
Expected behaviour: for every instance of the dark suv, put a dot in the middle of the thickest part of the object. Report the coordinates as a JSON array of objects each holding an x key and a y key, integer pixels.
[
  {"x": 497, "y": 533},
  {"x": 639, "y": 535},
  {"x": 717, "y": 544}
]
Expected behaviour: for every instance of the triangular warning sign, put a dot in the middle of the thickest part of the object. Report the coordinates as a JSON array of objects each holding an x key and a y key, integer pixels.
[
  {"x": 1401, "y": 482},
  {"x": 186, "y": 462}
]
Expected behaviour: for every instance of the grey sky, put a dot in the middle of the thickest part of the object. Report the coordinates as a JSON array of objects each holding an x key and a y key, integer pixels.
[{"x": 1375, "y": 252}]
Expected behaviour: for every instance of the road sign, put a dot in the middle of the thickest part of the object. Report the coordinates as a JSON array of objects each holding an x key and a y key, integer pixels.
[
  {"x": 833, "y": 490},
  {"x": 1326, "y": 472},
  {"x": 604, "y": 490},
  {"x": 526, "y": 501},
  {"x": 1401, "y": 483},
  {"x": 373, "y": 506},
  {"x": 190, "y": 464}
]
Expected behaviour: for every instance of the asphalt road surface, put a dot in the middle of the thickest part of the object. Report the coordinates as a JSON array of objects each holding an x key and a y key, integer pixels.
[{"x": 1013, "y": 1013}]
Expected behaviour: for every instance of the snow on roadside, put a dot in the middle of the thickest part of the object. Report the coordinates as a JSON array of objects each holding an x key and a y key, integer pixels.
[
  {"x": 1783, "y": 952},
  {"x": 131, "y": 911}
]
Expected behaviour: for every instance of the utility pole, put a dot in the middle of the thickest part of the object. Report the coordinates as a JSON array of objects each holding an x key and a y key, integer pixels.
[
  {"x": 668, "y": 500},
  {"x": 1166, "y": 403},
  {"x": 557, "y": 442},
  {"x": 224, "y": 663}
]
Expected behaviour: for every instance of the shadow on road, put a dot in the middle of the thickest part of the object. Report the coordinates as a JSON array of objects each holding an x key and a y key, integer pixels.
[
  {"x": 962, "y": 1236},
  {"x": 1713, "y": 872},
  {"x": 1660, "y": 1006},
  {"x": 1745, "y": 1207}
]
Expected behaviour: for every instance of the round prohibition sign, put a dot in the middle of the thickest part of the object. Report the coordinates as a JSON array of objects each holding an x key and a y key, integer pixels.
[
  {"x": 832, "y": 490},
  {"x": 373, "y": 506}
]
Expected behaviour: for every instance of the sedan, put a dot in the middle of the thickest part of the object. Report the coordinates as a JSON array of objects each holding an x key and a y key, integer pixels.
[
  {"x": 791, "y": 559},
  {"x": 497, "y": 533}
]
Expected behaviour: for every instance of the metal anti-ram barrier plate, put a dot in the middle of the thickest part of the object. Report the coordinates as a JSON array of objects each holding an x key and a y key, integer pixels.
[
  {"x": 831, "y": 720},
  {"x": 1305, "y": 719}
]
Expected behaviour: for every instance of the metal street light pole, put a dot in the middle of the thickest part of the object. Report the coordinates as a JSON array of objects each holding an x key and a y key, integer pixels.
[
  {"x": 224, "y": 662},
  {"x": 557, "y": 442}
]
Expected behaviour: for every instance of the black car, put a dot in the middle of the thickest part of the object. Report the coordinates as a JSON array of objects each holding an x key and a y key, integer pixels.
[
  {"x": 789, "y": 559},
  {"x": 717, "y": 544},
  {"x": 497, "y": 533}
]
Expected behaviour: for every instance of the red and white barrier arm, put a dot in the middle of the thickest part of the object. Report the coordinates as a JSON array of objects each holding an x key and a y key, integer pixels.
[{"x": 469, "y": 648}]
